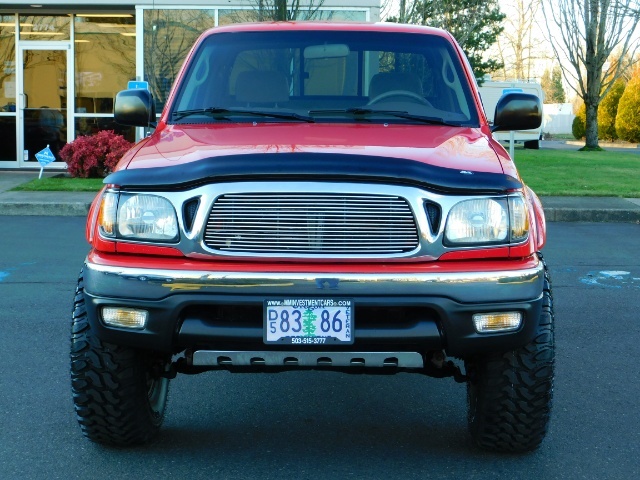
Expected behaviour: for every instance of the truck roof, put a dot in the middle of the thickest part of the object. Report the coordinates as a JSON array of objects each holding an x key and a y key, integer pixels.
[{"x": 325, "y": 25}]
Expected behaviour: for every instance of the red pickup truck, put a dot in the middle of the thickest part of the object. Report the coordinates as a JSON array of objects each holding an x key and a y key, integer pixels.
[{"x": 317, "y": 196}]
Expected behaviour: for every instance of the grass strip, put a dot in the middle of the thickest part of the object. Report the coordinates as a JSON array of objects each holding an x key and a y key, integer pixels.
[
  {"x": 62, "y": 184},
  {"x": 580, "y": 174}
]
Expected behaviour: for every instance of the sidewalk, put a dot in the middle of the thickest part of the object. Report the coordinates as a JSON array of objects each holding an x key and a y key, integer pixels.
[
  {"x": 557, "y": 209},
  {"x": 40, "y": 203}
]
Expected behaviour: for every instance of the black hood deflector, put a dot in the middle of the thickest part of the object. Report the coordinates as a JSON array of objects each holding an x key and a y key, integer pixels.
[{"x": 308, "y": 166}]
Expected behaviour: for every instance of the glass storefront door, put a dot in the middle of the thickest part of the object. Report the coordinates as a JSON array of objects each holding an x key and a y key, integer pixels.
[
  {"x": 42, "y": 100},
  {"x": 8, "y": 91}
]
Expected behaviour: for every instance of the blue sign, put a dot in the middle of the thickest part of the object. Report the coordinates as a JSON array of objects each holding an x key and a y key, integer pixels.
[
  {"x": 511, "y": 90},
  {"x": 45, "y": 156},
  {"x": 133, "y": 85}
]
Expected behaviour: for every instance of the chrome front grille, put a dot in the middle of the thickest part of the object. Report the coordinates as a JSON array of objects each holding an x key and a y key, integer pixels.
[{"x": 313, "y": 223}]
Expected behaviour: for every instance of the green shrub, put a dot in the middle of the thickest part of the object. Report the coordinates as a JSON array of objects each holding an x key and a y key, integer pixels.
[
  {"x": 628, "y": 120},
  {"x": 608, "y": 110},
  {"x": 579, "y": 126},
  {"x": 94, "y": 156}
]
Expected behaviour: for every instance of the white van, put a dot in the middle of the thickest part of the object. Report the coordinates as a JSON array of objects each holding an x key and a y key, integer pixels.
[{"x": 490, "y": 92}]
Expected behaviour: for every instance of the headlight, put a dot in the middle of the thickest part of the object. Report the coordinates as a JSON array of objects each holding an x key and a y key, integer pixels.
[
  {"x": 138, "y": 217},
  {"x": 107, "y": 215},
  {"x": 487, "y": 221},
  {"x": 519, "y": 219}
]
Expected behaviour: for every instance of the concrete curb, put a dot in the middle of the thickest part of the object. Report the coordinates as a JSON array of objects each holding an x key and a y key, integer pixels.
[
  {"x": 605, "y": 215},
  {"x": 579, "y": 143},
  {"x": 75, "y": 209},
  {"x": 45, "y": 203},
  {"x": 591, "y": 209}
]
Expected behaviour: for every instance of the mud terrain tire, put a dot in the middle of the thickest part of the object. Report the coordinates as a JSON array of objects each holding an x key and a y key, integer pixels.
[
  {"x": 118, "y": 401},
  {"x": 509, "y": 395}
]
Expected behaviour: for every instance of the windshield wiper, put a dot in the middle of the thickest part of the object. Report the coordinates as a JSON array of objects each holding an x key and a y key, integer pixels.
[
  {"x": 365, "y": 112},
  {"x": 219, "y": 112}
]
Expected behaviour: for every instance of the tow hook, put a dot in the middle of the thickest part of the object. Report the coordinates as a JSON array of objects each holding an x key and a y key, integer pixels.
[
  {"x": 438, "y": 366},
  {"x": 164, "y": 370}
]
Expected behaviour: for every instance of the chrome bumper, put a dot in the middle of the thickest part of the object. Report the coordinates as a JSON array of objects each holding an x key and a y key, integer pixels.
[
  {"x": 465, "y": 287},
  {"x": 441, "y": 305}
]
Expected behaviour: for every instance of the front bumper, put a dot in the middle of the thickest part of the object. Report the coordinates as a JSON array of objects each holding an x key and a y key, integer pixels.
[{"x": 407, "y": 308}]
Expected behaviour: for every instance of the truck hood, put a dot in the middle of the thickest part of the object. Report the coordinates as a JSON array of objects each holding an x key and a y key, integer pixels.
[{"x": 449, "y": 147}]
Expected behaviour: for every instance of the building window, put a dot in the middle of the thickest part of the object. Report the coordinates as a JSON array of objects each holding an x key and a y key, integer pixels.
[
  {"x": 228, "y": 16},
  {"x": 168, "y": 37},
  {"x": 42, "y": 27},
  {"x": 340, "y": 15},
  {"x": 105, "y": 61}
]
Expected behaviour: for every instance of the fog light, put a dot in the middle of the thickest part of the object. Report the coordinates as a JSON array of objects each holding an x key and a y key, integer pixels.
[
  {"x": 125, "y": 317},
  {"x": 497, "y": 322}
]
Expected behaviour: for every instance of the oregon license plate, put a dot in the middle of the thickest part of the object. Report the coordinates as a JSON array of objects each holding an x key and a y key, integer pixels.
[{"x": 308, "y": 321}]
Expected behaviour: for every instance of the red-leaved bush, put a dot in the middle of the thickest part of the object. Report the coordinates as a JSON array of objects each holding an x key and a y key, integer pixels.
[{"x": 94, "y": 156}]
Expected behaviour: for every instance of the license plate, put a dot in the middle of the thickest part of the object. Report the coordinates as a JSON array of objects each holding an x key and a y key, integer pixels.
[{"x": 308, "y": 321}]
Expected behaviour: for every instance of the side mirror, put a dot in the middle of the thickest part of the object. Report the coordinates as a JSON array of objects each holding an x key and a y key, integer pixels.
[
  {"x": 517, "y": 111},
  {"x": 135, "y": 108}
]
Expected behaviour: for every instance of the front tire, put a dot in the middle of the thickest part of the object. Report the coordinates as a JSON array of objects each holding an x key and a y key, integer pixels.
[
  {"x": 119, "y": 397},
  {"x": 509, "y": 394}
]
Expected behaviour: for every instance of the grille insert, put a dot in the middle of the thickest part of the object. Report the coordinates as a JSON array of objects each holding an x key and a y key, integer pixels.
[
  {"x": 189, "y": 210},
  {"x": 323, "y": 224}
]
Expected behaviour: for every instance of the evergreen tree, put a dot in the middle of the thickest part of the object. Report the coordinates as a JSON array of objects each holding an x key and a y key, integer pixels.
[
  {"x": 578, "y": 127},
  {"x": 608, "y": 110},
  {"x": 545, "y": 83},
  {"x": 551, "y": 83},
  {"x": 557, "y": 90},
  {"x": 627, "y": 119}
]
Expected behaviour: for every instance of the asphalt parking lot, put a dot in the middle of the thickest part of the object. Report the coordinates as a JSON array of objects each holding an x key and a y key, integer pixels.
[{"x": 325, "y": 425}]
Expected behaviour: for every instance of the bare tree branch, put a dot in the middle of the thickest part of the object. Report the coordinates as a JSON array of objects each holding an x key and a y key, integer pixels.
[
  {"x": 586, "y": 33},
  {"x": 518, "y": 47}
]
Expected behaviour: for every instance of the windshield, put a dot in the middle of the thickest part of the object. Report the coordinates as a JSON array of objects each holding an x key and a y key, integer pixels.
[{"x": 325, "y": 76}]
